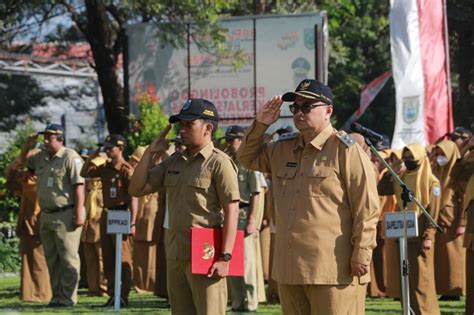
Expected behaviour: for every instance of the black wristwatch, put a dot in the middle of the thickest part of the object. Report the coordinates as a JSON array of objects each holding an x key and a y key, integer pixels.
[{"x": 225, "y": 257}]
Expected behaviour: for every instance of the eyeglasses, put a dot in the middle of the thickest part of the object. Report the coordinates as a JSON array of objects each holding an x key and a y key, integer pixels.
[{"x": 305, "y": 107}]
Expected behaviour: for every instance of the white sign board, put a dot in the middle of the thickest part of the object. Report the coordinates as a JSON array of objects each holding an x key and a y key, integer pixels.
[
  {"x": 394, "y": 224},
  {"x": 118, "y": 222},
  {"x": 277, "y": 53}
]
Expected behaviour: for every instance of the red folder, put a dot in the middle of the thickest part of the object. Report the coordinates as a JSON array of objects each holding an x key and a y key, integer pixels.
[{"x": 206, "y": 247}]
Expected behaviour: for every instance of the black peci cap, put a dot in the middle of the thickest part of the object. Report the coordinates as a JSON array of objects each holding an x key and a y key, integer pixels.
[
  {"x": 234, "y": 132},
  {"x": 114, "y": 140},
  {"x": 196, "y": 108},
  {"x": 460, "y": 132},
  {"x": 310, "y": 89},
  {"x": 53, "y": 129}
]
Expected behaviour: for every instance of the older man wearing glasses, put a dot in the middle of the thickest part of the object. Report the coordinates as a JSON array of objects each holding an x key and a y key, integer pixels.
[{"x": 326, "y": 204}]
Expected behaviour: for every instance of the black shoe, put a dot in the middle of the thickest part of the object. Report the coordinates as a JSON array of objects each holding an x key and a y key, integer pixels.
[
  {"x": 56, "y": 305},
  {"x": 123, "y": 302},
  {"x": 449, "y": 298},
  {"x": 109, "y": 303}
]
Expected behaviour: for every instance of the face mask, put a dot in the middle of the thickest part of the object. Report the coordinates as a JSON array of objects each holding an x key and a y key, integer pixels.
[
  {"x": 411, "y": 164},
  {"x": 442, "y": 160}
]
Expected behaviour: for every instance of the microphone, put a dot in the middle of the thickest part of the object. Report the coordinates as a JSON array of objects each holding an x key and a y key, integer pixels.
[{"x": 366, "y": 132}]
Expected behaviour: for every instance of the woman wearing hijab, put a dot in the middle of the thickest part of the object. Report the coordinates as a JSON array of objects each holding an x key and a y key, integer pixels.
[
  {"x": 449, "y": 252},
  {"x": 426, "y": 188}
]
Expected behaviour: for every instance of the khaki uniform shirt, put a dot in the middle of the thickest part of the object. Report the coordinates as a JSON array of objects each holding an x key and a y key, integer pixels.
[
  {"x": 196, "y": 190},
  {"x": 57, "y": 176},
  {"x": 146, "y": 216},
  {"x": 115, "y": 181},
  {"x": 326, "y": 205},
  {"x": 91, "y": 229}
]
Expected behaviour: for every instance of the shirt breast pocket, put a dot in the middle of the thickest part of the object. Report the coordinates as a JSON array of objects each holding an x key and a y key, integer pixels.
[
  {"x": 201, "y": 182},
  {"x": 284, "y": 180},
  {"x": 319, "y": 181},
  {"x": 171, "y": 180},
  {"x": 58, "y": 176}
]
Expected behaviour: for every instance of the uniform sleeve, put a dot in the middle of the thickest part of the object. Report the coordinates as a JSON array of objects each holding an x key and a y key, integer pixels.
[
  {"x": 253, "y": 153},
  {"x": 74, "y": 164},
  {"x": 254, "y": 182},
  {"x": 226, "y": 181},
  {"x": 433, "y": 209},
  {"x": 94, "y": 170},
  {"x": 31, "y": 161},
  {"x": 361, "y": 186}
]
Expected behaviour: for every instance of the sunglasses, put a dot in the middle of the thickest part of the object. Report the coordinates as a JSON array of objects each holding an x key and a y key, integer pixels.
[{"x": 305, "y": 108}]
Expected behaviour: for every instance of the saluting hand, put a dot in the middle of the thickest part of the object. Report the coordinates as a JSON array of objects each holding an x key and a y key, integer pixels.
[
  {"x": 160, "y": 144},
  {"x": 31, "y": 140},
  {"x": 270, "y": 112}
]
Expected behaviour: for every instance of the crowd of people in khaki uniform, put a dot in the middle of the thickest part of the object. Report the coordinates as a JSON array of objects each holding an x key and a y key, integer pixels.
[{"x": 310, "y": 204}]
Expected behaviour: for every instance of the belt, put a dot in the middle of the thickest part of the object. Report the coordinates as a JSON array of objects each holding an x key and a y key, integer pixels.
[
  {"x": 61, "y": 209},
  {"x": 243, "y": 204},
  {"x": 121, "y": 207}
]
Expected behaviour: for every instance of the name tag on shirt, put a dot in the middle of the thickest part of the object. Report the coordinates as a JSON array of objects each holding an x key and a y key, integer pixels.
[
  {"x": 50, "y": 182},
  {"x": 113, "y": 192}
]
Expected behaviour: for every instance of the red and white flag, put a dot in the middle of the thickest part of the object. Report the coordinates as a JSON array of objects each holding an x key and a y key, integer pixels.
[
  {"x": 420, "y": 71},
  {"x": 369, "y": 92}
]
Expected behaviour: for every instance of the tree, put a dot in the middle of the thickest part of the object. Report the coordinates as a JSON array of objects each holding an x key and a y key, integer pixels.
[
  {"x": 18, "y": 94},
  {"x": 102, "y": 23},
  {"x": 461, "y": 40}
]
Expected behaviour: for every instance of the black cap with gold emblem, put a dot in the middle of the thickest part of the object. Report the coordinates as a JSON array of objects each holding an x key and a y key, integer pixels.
[
  {"x": 196, "y": 108},
  {"x": 311, "y": 89}
]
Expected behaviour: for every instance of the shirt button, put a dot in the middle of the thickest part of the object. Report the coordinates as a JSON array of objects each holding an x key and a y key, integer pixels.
[
  {"x": 289, "y": 245},
  {"x": 297, "y": 191}
]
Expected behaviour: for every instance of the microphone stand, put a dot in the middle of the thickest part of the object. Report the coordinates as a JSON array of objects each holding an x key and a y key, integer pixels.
[{"x": 407, "y": 196}]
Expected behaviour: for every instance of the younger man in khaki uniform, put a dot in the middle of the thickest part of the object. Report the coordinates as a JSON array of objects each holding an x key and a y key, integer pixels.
[
  {"x": 90, "y": 238},
  {"x": 244, "y": 289},
  {"x": 201, "y": 191},
  {"x": 60, "y": 191},
  {"x": 326, "y": 205},
  {"x": 115, "y": 175}
]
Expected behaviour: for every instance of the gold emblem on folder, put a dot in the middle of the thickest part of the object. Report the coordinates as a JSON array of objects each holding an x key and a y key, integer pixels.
[{"x": 208, "y": 251}]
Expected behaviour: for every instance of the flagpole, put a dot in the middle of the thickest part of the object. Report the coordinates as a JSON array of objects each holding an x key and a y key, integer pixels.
[{"x": 448, "y": 66}]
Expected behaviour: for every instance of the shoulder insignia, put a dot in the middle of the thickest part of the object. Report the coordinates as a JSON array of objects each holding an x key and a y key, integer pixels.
[
  {"x": 288, "y": 136},
  {"x": 436, "y": 191},
  {"x": 345, "y": 138}
]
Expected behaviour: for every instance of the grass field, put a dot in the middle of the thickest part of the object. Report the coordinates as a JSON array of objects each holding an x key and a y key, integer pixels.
[{"x": 148, "y": 303}]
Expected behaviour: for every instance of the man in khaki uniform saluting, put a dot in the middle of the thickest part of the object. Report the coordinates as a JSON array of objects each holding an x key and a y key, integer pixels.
[
  {"x": 115, "y": 175},
  {"x": 326, "y": 205},
  {"x": 201, "y": 191},
  {"x": 60, "y": 191}
]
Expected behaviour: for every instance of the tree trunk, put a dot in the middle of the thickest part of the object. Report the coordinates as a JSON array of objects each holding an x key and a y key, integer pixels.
[{"x": 102, "y": 36}]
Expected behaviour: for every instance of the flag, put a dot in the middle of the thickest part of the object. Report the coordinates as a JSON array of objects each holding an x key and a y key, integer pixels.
[
  {"x": 368, "y": 94},
  {"x": 420, "y": 71}
]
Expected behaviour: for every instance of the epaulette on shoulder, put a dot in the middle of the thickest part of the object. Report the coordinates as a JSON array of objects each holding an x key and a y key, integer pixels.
[
  {"x": 288, "y": 136},
  {"x": 345, "y": 138}
]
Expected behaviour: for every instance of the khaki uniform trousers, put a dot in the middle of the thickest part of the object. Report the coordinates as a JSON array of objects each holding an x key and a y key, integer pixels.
[
  {"x": 60, "y": 239},
  {"x": 322, "y": 299},
  {"x": 244, "y": 289},
  {"x": 469, "y": 282},
  {"x": 97, "y": 285},
  {"x": 194, "y": 294},
  {"x": 423, "y": 299},
  {"x": 144, "y": 264},
  {"x": 35, "y": 286},
  {"x": 107, "y": 244}
]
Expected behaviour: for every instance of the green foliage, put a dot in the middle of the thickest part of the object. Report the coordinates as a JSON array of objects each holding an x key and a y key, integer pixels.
[
  {"x": 9, "y": 249},
  {"x": 10, "y": 204},
  {"x": 149, "y": 124}
]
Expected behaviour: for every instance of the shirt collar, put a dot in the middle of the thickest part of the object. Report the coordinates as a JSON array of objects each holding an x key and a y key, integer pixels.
[
  {"x": 58, "y": 154},
  {"x": 205, "y": 152},
  {"x": 319, "y": 141}
]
